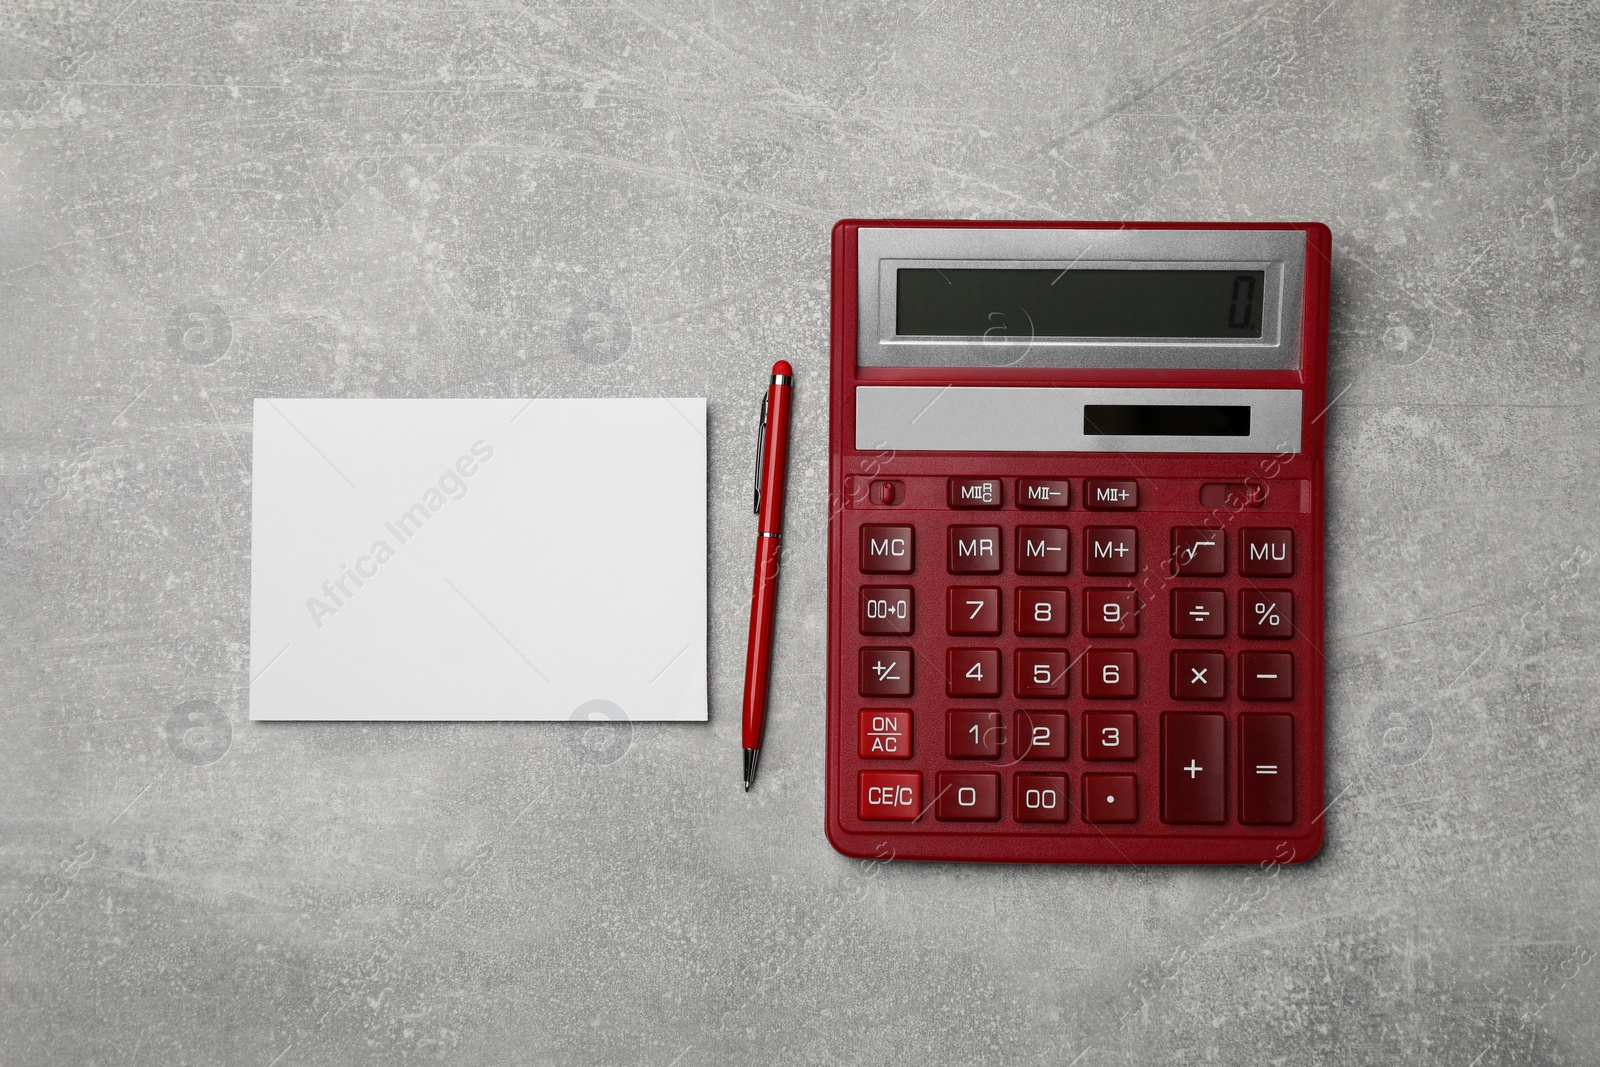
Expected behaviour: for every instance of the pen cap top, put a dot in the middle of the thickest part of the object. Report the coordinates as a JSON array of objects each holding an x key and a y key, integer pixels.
[{"x": 782, "y": 367}]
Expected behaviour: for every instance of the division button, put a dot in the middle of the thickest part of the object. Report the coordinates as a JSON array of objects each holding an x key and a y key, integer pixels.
[
  {"x": 886, "y": 549},
  {"x": 884, "y": 734},
  {"x": 968, "y": 797},
  {"x": 893, "y": 795},
  {"x": 1266, "y": 770},
  {"x": 1266, "y": 676},
  {"x": 1040, "y": 798},
  {"x": 1191, "y": 767},
  {"x": 1109, "y": 494},
  {"x": 885, "y": 672},
  {"x": 974, "y": 492},
  {"x": 1110, "y": 550},
  {"x": 1110, "y": 797},
  {"x": 974, "y": 550},
  {"x": 1043, "y": 493},
  {"x": 1198, "y": 613}
]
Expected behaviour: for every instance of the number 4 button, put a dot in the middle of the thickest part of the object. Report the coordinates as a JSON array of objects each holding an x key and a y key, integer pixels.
[{"x": 972, "y": 672}]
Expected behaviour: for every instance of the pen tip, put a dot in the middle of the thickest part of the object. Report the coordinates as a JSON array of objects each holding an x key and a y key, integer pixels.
[{"x": 752, "y": 758}]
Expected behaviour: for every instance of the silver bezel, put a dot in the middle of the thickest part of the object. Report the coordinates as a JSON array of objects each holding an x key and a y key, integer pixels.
[{"x": 1279, "y": 253}]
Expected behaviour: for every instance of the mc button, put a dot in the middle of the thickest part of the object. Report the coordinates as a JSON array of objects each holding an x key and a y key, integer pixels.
[{"x": 886, "y": 549}]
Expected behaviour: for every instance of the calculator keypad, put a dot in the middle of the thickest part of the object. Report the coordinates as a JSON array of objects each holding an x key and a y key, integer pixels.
[{"x": 1179, "y": 668}]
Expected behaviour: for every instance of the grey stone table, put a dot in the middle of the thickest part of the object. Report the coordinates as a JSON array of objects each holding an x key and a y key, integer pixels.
[{"x": 206, "y": 202}]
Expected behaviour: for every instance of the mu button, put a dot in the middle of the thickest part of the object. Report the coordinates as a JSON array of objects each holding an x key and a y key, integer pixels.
[{"x": 1191, "y": 767}]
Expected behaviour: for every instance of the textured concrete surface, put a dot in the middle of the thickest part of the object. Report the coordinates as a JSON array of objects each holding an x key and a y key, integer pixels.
[{"x": 208, "y": 202}]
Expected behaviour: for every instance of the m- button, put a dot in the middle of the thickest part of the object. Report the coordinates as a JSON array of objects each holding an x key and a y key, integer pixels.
[{"x": 886, "y": 549}]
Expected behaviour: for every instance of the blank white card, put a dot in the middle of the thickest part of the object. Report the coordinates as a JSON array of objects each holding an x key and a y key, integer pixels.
[{"x": 478, "y": 559}]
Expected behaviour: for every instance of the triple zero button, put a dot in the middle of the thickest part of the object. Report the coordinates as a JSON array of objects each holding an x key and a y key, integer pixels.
[{"x": 886, "y": 549}]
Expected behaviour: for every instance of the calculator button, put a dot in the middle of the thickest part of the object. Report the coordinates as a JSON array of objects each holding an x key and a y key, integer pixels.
[
  {"x": 1043, "y": 493},
  {"x": 1110, "y": 613},
  {"x": 972, "y": 672},
  {"x": 886, "y": 549},
  {"x": 968, "y": 797},
  {"x": 974, "y": 492},
  {"x": 1198, "y": 551},
  {"x": 884, "y": 735},
  {"x": 1197, "y": 676},
  {"x": 1266, "y": 553},
  {"x": 972, "y": 734},
  {"x": 1041, "y": 735},
  {"x": 1110, "y": 494},
  {"x": 1191, "y": 767},
  {"x": 1110, "y": 797},
  {"x": 974, "y": 550},
  {"x": 895, "y": 795},
  {"x": 885, "y": 672},
  {"x": 1266, "y": 770},
  {"x": 1266, "y": 676},
  {"x": 885, "y": 609},
  {"x": 1266, "y": 613},
  {"x": 1110, "y": 550},
  {"x": 1042, "y": 612},
  {"x": 1041, "y": 675},
  {"x": 972, "y": 610},
  {"x": 1110, "y": 735},
  {"x": 1110, "y": 675},
  {"x": 1040, "y": 798},
  {"x": 1198, "y": 613},
  {"x": 885, "y": 493},
  {"x": 1043, "y": 549}
]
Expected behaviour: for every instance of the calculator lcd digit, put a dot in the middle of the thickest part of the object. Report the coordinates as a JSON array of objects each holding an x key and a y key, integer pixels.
[{"x": 1075, "y": 585}]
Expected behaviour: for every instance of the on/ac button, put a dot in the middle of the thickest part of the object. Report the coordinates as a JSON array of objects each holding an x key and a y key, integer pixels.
[{"x": 1110, "y": 494}]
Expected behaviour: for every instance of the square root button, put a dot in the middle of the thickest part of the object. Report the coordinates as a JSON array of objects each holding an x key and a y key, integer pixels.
[{"x": 892, "y": 795}]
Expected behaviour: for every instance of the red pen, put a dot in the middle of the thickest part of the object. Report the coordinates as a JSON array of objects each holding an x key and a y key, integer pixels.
[{"x": 772, "y": 462}]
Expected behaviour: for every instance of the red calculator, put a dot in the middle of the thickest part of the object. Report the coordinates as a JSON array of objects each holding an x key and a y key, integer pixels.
[{"x": 1075, "y": 546}]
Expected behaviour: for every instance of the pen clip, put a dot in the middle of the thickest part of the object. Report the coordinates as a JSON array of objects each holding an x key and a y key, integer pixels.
[{"x": 761, "y": 450}]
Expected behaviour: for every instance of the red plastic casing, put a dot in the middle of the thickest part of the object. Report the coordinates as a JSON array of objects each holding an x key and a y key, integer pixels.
[
  {"x": 772, "y": 476},
  {"x": 1294, "y": 500}
]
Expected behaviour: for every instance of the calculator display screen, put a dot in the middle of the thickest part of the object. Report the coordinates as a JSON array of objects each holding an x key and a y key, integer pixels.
[
  {"x": 1166, "y": 420},
  {"x": 1001, "y": 303}
]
